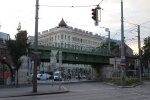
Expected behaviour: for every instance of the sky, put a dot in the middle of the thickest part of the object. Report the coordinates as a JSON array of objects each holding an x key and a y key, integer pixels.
[{"x": 77, "y": 13}]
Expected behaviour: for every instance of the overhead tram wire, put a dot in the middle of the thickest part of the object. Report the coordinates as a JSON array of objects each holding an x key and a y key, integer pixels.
[
  {"x": 139, "y": 24},
  {"x": 145, "y": 27},
  {"x": 68, "y": 6},
  {"x": 100, "y": 2},
  {"x": 131, "y": 23},
  {"x": 71, "y": 6},
  {"x": 145, "y": 22}
]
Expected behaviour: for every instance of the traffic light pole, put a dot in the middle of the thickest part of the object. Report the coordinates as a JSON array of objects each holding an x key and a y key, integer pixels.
[{"x": 34, "y": 81}]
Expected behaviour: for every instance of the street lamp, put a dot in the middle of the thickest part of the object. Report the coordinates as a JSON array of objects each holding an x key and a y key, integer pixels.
[{"x": 107, "y": 30}]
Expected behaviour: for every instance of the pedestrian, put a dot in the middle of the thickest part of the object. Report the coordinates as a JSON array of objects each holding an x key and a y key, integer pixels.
[{"x": 79, "y": 77}]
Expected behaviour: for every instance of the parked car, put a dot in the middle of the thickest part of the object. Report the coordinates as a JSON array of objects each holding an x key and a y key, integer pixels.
[
  {"x": 57, "y": 76},
  {"x": 43, "y": 76}
]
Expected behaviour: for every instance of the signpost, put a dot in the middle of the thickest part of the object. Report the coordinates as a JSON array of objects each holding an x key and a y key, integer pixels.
[{"x": 123, "y": 62}]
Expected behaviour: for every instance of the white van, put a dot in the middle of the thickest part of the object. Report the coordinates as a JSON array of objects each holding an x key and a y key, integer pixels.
[{"x": 57, "y": 76}]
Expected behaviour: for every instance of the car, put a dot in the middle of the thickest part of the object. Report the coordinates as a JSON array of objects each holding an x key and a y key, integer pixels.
[
  {"x": 43, "y": 76},
  {"x": 57, "y": 76}
]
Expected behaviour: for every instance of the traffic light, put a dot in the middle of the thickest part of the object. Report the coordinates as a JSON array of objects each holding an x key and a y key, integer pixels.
[{"x": 94, "y": 14}]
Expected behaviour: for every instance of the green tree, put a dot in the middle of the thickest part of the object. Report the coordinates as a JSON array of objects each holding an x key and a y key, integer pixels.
[
  {"x": 146, "y": 48},
  {"x": 17, "y": 48}
]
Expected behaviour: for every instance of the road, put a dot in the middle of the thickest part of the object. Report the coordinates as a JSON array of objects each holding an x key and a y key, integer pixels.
[{"x": 94, "y": 91}]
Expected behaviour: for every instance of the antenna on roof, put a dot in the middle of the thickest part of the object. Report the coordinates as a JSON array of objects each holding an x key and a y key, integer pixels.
[
  {"x": 0, "y": 25},
  {"x": 19, "y": 27}
]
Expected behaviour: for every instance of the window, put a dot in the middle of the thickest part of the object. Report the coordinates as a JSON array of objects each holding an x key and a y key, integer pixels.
[
  {"x": 52, "y": 38},
  {"x": 55, "y": 37},
  {"x": 68, "y": 38},
  {"x": 62, "y": 36},
  {"x": 61, "y": 44},
  {"x": 58, "y": 37},
  {"x": 65, "y": 37}
]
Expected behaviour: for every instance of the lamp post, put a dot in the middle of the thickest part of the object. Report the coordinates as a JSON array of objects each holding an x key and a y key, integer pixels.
[{"x": 107, "y": 30}]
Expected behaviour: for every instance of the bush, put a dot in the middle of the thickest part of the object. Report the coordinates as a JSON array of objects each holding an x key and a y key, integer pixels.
[{"x": 124, "y": 81}]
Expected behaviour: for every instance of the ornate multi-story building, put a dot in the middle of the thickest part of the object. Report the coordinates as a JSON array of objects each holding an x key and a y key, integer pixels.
[
  {"x": 3, "y": 49},
  {"x": 65, "y": 36},
  {"x": 69, "y": 37}
]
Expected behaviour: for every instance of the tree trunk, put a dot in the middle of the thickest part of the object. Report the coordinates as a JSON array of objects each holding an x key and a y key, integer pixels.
[{"x": 17, "y": 78}]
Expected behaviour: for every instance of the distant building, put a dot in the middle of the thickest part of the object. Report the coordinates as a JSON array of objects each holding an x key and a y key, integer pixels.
[
  {"x": 117, "y": 49},
  {"x": 4, "y": 36},
  {"x": 69, "y": 37},
  {"x": 3, "y": 49},
  {"x": 5, "y": 75},
  {"x": 31, "y": 39}
]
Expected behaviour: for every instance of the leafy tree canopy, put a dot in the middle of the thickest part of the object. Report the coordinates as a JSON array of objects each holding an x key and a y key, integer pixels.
[
  {"x": 18, "y": 47},
  {"x": 146, "y": 48}
]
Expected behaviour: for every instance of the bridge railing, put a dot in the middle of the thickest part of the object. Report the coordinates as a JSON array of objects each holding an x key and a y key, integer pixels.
[{"x": 100, "y": 51}]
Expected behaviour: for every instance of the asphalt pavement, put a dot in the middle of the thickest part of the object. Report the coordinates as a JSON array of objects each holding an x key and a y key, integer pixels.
[{"x": 43, "y": 88}]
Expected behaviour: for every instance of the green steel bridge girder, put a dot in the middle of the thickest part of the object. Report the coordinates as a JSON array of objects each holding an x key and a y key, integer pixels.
[
  {"x": 84, "y": 58},
  {"x": 77, "y": 58},
  {"x": 74, "y": 56}
]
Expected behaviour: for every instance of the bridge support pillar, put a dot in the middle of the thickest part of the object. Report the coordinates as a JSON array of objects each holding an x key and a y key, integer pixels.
[
  {"x": 102, "y": 72},
  {"x": 96, "y": 72}
]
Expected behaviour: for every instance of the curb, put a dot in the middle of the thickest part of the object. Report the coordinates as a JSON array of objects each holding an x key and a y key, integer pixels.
[
  {"x": 64, "y": 90},
  {"x": 134, "y": 85},
  {"x": 80, "y": 82}
]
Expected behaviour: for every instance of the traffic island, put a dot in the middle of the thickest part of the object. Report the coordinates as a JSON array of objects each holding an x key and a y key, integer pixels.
[{"x": 124, "y": 82}]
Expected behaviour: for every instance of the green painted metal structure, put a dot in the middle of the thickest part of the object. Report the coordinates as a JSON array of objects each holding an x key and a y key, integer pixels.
[{"x": 70, "y": 55}]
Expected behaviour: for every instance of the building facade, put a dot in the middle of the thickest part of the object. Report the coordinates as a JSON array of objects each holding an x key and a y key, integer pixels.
[
  {"x": 3, "y": 49},
  {"x": 65, "y": 36},
  {"x": 69, "y": 37},
  {"x": 4, "y": 70}
]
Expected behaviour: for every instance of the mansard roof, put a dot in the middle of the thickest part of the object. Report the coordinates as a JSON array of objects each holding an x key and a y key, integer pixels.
[{"x": 62, "y": 23}]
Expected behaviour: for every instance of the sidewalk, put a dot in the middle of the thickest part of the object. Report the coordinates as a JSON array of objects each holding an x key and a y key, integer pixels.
[
  {"x": 44, "y": 87},
  {"x": 27, "y": 90}
]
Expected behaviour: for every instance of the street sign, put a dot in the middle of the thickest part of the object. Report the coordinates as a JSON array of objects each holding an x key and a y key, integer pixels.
[
  {"x": 123, "y": 62},
  {"x": 114, "y": 61}
]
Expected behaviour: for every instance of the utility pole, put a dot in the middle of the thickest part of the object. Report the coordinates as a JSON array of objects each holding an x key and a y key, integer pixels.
[
  {"x": 122, "y": 33},
  {"x": 35, "y": 48},
  {"x": 123, "y": 60},
  {"x": 140, "y": 55}
]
